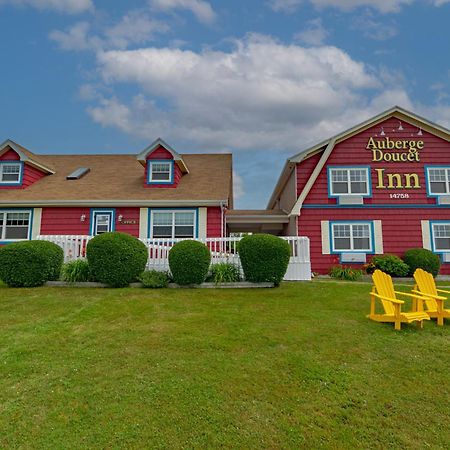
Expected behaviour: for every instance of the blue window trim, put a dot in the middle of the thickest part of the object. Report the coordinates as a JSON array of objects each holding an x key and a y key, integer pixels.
[
  {"x": 172, "y": 171},
  {"x": 369, "y": 181},
  {"x": 13, "y": 161},
  {"x": 378, "y": 206},
  {"x": 94, "y": 211},
  {"x": 149, "y": 226},
  {"x": 30, "y": 228},
  {"x": 427, "y": 181},
  {"x": 350, "y": 222},
  {"x": 433, "y": 247}
]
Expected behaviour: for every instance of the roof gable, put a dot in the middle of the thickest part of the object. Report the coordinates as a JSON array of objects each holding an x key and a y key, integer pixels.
[
  {"x": 142, "y": 157},
  {"x": 25, "y": 155}
]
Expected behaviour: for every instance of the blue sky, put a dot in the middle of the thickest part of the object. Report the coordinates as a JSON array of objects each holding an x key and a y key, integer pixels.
[{"x": 263, "y": 79}]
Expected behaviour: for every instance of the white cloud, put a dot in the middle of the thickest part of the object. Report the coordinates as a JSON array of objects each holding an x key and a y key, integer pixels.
[
  {"x": 134, "y": 28},
  {"x": 238, "y": 186},
  {"x": 200, "y": 8},
  {"x": 63, "y": 6},
  {"x": 262, "y": 94},
  {"x": 383, "y": 6},
  {"x": 375, "y": 29},
  {"x": 313, "y": 34}
]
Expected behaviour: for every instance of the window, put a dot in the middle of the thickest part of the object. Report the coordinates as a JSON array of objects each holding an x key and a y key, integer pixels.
[
  {"x": 102, "y": 222},
  {"x": 14, "y": 225},
  {"x": 348, "y": 237},
  {"x": 439, "y": 180},
  {"x": 173, "y": 224},
  {"x": 441, "y": 236},
  {"x": 10, "y": 172},
  {"x": 160, "y": 172},
  {"x": 348, "y": 181}
]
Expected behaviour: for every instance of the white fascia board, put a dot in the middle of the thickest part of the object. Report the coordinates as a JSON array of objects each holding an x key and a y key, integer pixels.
[{"x": 114, "y": 203}]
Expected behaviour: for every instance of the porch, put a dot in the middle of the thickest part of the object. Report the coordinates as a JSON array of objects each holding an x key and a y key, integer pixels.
[{"x": 222, "y": 250}]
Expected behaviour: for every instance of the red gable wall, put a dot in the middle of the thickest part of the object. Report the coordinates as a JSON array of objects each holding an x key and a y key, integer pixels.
[
  {"x": 401, "y": 217},
  {"x": 30, "y": 174},
  {"x": 162, "y": 153}
]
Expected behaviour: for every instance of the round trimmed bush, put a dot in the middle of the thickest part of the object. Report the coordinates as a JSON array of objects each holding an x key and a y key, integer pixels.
[
  {"x": 423, "y": 259},
  {"x": 390, "y": 264},
  {"x": 116, "y": 259},
  {"x": 30, "y": 263},
  {"x": 264, "y": 258},
  {"x": 189, "y": 262}
]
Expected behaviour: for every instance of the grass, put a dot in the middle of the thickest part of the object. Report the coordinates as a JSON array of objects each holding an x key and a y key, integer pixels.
[{"x": 294, "y": 367}]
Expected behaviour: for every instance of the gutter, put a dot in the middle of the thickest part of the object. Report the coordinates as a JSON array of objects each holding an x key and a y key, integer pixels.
[{"x": 116, "y": 203}]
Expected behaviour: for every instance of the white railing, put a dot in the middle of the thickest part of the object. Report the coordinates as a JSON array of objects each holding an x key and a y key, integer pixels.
[{"x": 222, "y": 250}]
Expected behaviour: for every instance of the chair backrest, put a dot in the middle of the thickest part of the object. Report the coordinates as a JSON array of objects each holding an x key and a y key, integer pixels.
[
  {"x": 385, "y": 287},
  {"x": 426, "y": 285}
]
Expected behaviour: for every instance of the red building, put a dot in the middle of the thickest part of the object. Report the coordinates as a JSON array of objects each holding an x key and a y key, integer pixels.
[
  {"x": 156, "y": 194},
  {"x": 382, "y": 186}
]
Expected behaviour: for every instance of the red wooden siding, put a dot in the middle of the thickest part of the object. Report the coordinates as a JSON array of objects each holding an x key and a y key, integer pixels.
[
  {"x": 352, "y": 152},
  {"x": 399, "y": 233},
  {"x": 10, "y": 155},
  {"x": 67, "y": 221},
  {"x": 401, "y": 226},
  {"x": 162, "y": 153},
  {"x": 214, "y": 222},
  {"x": 128, "y": 214},
  {"x": 30, "y": 174}
]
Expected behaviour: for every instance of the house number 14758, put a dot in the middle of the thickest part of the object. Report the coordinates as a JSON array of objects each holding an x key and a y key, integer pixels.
[{"x": 397, "y": 196}]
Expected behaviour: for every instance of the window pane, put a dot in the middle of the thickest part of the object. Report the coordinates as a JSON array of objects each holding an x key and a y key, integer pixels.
[
  {"x": 442, "y": 243},
  {"x": 184, "y": 218},
  {"x": 162, "y": 218},
  {"x": 10, "y": 172},
  {"x": 441, "y": 236},
  {"x": 342, "y": 244},
  {"x": 341, "y": 230},
  {"x": 1, "y": 225},
  {"x": 361, "y": 244},
  {"x": 162, "y": 231},
  {"x": 358, "y": 187},
  {"x": 438, "y": 187},
  {"x": 340, "y": 188},
  {"x": 16, "y": 225},
  {"x": 161, "y": 171},
  {"x": 184, "y": 231},
  {"x": 438, "y": 184},
  {"x": 339, "y": 175}
]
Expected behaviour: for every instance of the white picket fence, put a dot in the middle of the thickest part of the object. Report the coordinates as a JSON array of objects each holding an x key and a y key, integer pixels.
[{"x": 222, "y": 250}]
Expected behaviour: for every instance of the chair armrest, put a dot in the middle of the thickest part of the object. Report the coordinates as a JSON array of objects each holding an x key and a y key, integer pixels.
[
  {"x": 422, "y": 296},
  {"x": 444, "y": 291},
  {"x": 436, "y": 297},
  {"x": 393, "y": 300}
]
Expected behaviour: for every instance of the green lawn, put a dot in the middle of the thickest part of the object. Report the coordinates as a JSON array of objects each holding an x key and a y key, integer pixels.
[{"x": 294, "y": 367}]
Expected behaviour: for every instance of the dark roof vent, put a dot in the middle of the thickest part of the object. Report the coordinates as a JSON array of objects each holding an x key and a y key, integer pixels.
[{"x": 79, "y": 173}]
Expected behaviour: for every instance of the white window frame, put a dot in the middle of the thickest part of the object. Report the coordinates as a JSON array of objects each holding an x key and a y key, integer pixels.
[
  {"x": 433, "y": 237},
  {"x": 3, "y": 218},
  {"x": 349, "y": 183},
  {"x": 173, "y": 211},
  {"x": 150, "y": 171},
  {"x": 11, "y": 163},
  {"x": 352, "y": 237},
  {"x": 99, "y": 212},
  {"x": 447, "y": 180}
]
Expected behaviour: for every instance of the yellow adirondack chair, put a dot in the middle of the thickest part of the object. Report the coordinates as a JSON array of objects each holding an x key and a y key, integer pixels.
[
  {"x": 434, "y": 303},
  {"x": 383, "y": 289}
]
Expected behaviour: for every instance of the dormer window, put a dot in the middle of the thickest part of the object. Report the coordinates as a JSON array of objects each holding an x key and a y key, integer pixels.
[
  {"x": 160, "y": 172},
  {"x": 10, "y": 173}
]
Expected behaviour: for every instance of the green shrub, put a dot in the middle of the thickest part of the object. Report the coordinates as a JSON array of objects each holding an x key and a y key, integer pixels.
[
  {"x": 225, "y": 273},
  {"x": 390, "y": 264},
  {"x": 154, "y": 279},
  {"x": 77, "y": 271},
  {"x": 264, "y": 258},
  {"x": 30, "y": 263},
  {"x": 345, "y": 273},
  {"x": 422, "y": 258},
  {"x": 189, "y": 262},
  {"x": 116, "y": 259}
]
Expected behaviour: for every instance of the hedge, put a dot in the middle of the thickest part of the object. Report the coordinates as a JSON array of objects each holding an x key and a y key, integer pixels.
[
  {"x": 423, "y": 259},
  {"x": 30, "y": 263},
  {"x": 189, "y": 262},
  {"x": 264, "y": 258},
  {"x": 116, "y": 259}
]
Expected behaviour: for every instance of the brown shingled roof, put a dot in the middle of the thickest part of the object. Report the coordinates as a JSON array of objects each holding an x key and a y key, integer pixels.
[{"x": 121, "y": 178}]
